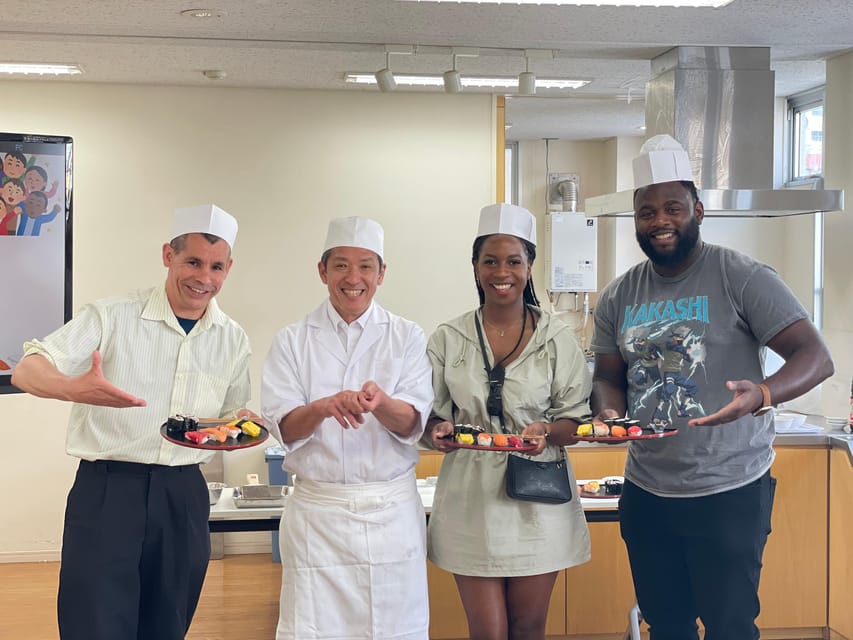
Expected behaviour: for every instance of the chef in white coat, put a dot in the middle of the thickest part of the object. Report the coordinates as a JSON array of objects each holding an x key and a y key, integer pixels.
[{"x": 347, "y": 391}]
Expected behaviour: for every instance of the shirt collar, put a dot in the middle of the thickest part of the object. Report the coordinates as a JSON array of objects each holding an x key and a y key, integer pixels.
[
  {"x": 338, "y": 322},
  {"x": 158, "y": 308}
]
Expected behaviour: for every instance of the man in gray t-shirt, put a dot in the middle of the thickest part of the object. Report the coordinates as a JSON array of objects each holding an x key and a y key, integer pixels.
[{"x": 678, "y": 340}]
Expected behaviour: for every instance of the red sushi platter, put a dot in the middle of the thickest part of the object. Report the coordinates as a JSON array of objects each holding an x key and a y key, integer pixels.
[
  {"x": 643, "y": 436},
  {"x": 242, "y": 441},
  {"x": 522, "y": 449}
]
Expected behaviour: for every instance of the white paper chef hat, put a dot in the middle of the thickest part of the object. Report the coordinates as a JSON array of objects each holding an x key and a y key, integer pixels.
[
  {"x": 355, "y": 231},
  {"x": 661, "y": 159},
  {"x": 205, "y": 218},
  {"x": 509, "y": 219}
]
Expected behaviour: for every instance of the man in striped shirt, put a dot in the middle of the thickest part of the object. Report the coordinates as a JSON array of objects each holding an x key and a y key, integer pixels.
[{"x": 135, "y": 542}]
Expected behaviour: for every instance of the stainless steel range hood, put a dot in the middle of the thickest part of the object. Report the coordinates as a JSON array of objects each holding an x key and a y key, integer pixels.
[{"x": 718, "y": 103}]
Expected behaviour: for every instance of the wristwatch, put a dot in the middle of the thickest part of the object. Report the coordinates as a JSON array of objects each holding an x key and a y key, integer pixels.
[{"x": 765, "y": 401}]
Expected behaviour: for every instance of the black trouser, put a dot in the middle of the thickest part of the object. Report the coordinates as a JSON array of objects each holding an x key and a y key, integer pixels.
[
  {"x": 698, "y": 558},
  {"x": 134, "y": 552}
]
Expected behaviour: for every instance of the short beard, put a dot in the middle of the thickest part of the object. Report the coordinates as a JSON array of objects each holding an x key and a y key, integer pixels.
[{"x": 686, "y": 244}]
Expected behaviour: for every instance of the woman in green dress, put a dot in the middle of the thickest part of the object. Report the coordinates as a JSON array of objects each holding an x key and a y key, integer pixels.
[{"x": 509, "y": 367}]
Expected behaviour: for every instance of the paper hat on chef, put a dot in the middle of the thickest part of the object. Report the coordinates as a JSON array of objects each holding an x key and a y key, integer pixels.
[
  {"x": 355, "y": 231},
  {"x": 661, "y": 159},
  {"x": 508, "y": 219},
  {"x": 205, "y": 218}
]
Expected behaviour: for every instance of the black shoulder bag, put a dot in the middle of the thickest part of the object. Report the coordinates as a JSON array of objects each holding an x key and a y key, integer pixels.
[{"x": 526, "y": 478}]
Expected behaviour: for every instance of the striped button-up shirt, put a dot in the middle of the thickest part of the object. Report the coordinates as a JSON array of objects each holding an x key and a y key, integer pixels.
[{"x": 146, "y": 353}]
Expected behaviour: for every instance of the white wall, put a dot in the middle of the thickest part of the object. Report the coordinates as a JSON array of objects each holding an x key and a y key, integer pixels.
[{"x": 284, "y": 163}]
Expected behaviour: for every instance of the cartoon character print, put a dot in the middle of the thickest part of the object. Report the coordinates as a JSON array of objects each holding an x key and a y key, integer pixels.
[
  {"x": 666, "y": 356},
  {"x": 14, "y": 165}
]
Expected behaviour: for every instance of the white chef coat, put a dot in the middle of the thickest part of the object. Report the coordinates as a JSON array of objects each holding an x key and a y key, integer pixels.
[
  {"x": 353, "y": 542},
  {"x": 307, "y": 361}
]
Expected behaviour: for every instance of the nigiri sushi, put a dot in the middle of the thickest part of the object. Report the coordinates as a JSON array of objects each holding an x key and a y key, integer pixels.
[
  {"x": 599, "y": 429},
  {"x": 214, "y": 433},
  {"x": 584, "y": 429},
  {"x": 230, "y": 432},
  {"x": 197, "y": 437},
  {"x": 484, "y": 440}
]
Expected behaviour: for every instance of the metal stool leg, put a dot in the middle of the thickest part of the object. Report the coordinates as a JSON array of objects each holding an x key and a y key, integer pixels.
[{"x": 635, "y": 617}]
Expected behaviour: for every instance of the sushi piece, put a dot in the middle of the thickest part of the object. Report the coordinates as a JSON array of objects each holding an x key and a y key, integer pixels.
[
  {"x": 499, "y": 440},
  {"x": 613, "y": 487},
  {"x": 584, "y": 429},
  {"x": 175, "y": 427},
  {"x": 592, "y": 487},
  {"x": 214, "y": 433},
  {"x": 467, "y": 428},
  {"x": 230, "y": 432},
  {"x": 249, "y": 428},
  {"x": 197, "y": 437},
  {"x": 464, "y": 438},
  {"x": 635, "y": 430},
  {"x": 484, "y": 440},
  {"x": 600, "y": 430},
  {"x": 514, "y": 441},
  {"x": 618, "y": 431}
]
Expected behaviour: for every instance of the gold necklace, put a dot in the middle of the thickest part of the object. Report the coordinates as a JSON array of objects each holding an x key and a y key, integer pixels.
[{"x": 501, "y": 332}]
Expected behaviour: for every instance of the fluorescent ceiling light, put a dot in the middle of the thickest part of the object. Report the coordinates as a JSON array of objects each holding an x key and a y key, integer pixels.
[
  {"x": 497, "y": 82},
  {"x": 611, "y": 3},
  {"x": 25, "y": 68}
]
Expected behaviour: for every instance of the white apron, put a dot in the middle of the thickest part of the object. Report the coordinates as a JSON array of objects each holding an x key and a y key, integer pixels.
[{"x": 353, "y": 560}]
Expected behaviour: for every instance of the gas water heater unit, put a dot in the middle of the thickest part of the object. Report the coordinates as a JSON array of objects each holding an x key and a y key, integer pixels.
[{"x": 572, "y": 252}]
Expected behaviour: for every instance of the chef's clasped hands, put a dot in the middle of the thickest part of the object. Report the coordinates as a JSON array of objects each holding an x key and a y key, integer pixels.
[{"x": 348, "y": 406}]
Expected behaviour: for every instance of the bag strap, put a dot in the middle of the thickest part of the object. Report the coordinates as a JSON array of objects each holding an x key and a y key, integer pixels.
[{"x": 489, "y": 368}]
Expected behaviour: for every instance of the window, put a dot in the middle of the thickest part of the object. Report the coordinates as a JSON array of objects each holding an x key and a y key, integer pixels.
[
  {"x": 511, "y": 176},
  {"x": 805, "y": 112},
  {"x": 806, "y": 117}
]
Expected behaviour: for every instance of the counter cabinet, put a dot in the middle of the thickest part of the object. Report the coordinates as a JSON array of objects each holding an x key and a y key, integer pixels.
[
  {"x": 793, "y": 583},
  {"x": 840, "y": 535}
]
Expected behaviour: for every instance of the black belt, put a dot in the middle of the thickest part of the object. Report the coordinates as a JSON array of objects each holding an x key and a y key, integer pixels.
[{"x": 119, "y": 466}]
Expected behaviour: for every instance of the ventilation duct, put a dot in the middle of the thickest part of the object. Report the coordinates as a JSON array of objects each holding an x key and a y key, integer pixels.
[{"x": 718, "y": 102}]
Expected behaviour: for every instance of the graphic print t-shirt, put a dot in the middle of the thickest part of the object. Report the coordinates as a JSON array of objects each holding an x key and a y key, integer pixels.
[{"x": 683, "y": 338}]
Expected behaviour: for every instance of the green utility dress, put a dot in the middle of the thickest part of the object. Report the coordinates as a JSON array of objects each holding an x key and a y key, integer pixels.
[{"x": 475, "y": 529}]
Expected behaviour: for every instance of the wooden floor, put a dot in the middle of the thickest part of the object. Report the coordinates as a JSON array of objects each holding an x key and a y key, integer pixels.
[{"x": 239, "y": 600}]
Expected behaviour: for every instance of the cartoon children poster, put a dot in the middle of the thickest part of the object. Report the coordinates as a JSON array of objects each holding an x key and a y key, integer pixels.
[{"x": 35, "y": 247}]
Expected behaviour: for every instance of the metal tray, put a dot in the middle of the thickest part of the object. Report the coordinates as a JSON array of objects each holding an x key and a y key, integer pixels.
[{"x": 259, "y": 495}]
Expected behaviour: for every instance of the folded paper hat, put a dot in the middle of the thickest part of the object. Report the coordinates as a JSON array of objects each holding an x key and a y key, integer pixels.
[
  {"x": 508, "y": 219},
  {"x": 205, "y": 218},
  {"x": 355, "y": 231},
  {"x": 661, "y": 159}
]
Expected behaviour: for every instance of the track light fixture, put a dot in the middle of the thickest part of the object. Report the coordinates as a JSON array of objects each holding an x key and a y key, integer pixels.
[
  {"x": 526, "y": 80},
  {"x": 452, "y": 79},
  {"x": 384, "y": 77}
]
